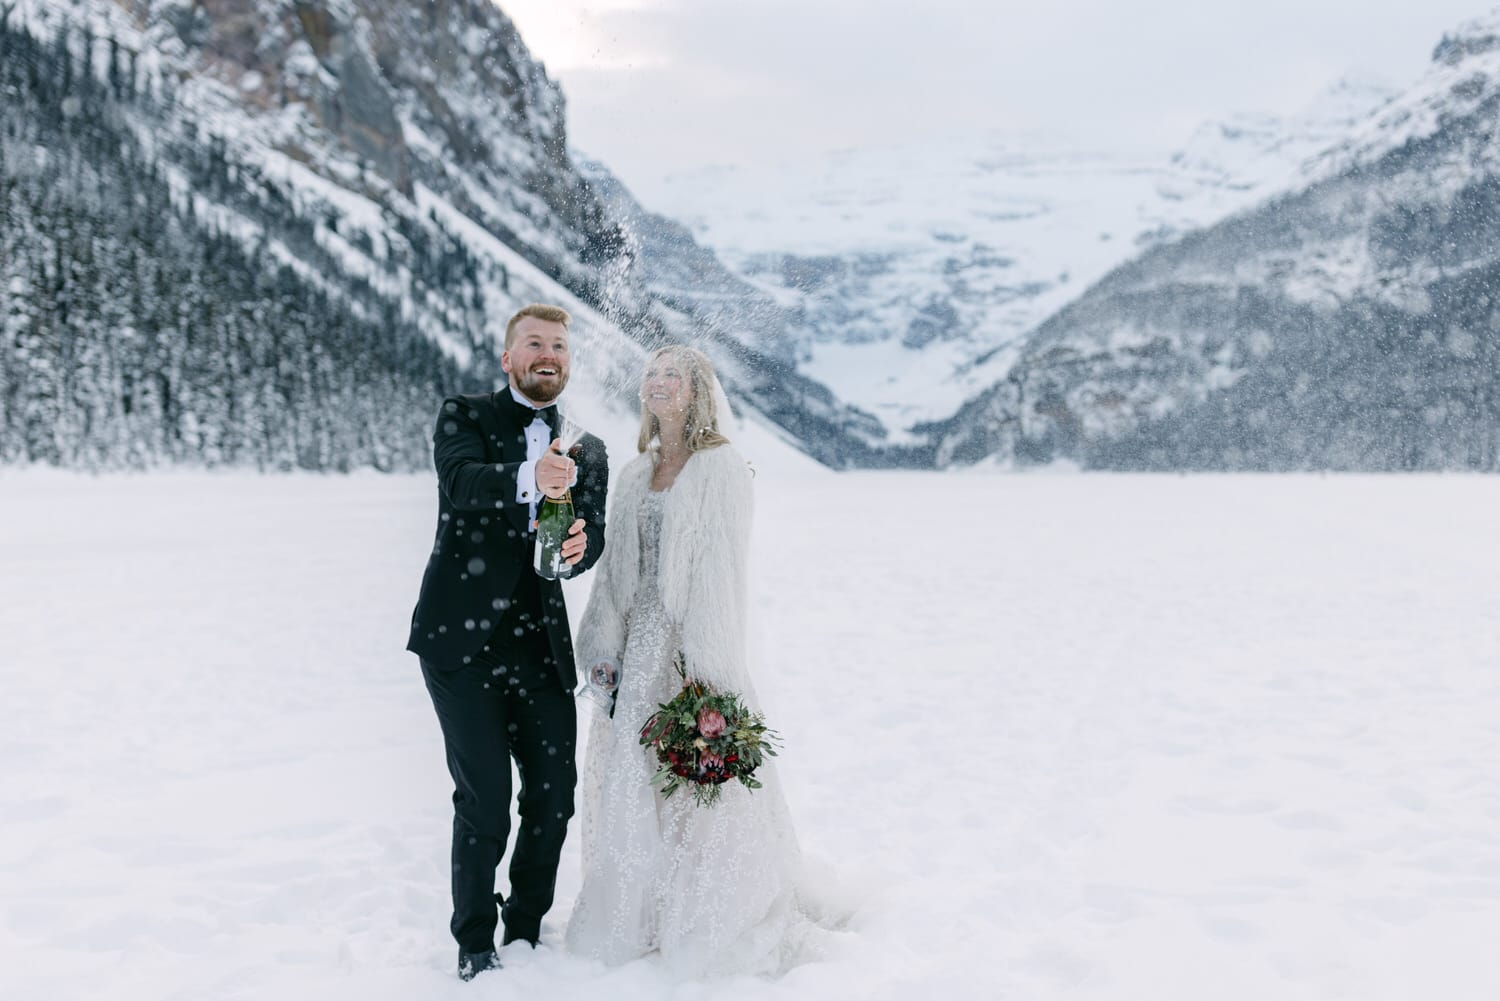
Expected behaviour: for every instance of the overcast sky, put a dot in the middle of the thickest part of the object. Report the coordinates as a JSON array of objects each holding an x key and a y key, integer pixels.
[{"x": 657, "y": 85}]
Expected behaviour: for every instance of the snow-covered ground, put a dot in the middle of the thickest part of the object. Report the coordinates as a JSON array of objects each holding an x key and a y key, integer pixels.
[{"x": 1055, "y": 736}]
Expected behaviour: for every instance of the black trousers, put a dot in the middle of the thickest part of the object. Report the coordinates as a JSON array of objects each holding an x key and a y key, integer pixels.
[{"x": 508, "y": 703}]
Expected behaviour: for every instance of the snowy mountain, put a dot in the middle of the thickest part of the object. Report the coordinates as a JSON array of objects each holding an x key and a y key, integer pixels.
[
  {"x": 1349, "y": 323},
  {"x": 748, "y": 333},
  {"x": 273, "y": 232},
  {"x": 329, "y": 210},
  {"x": 909, "y": 276}
]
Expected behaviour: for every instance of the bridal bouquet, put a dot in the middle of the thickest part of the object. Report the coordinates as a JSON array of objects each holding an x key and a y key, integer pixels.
[{"x": 704, "y": 738}]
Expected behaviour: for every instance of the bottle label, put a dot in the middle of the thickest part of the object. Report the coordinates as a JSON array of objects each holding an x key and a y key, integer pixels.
[{"x": 552, "y": 525}]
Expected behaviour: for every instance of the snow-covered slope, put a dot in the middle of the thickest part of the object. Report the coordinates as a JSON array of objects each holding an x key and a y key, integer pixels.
[
  {"x": 910, "y": 274},
  {"x": 404, "y": 164},
  {"x": 407, "y": 164},
  {"x": 745, "y": 331},
  {"x": 1349, "y": 322},
  {"x": 346, "y": 198}
]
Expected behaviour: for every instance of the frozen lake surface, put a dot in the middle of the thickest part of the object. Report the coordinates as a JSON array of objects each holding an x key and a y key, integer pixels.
[{"x": 1064, "y": 737}]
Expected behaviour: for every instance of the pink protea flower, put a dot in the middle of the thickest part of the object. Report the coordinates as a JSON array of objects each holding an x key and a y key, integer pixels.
[
  {"x": 711, "y": 723},
  {"x": 710, "y": 762}
]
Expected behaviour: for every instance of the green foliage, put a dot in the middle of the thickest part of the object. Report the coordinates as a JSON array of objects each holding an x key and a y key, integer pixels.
[{"x": 703, "y": 758}]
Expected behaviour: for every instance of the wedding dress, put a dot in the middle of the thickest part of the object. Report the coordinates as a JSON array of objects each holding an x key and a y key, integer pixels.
[{"x": 713, "y": 889}]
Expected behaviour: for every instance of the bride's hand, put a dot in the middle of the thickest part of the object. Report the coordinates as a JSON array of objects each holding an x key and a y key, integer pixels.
[{"x": 604, "y": 675}]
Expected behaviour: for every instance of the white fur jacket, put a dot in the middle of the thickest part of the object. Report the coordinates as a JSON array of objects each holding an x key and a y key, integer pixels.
[{"x": 705, "y": 537}]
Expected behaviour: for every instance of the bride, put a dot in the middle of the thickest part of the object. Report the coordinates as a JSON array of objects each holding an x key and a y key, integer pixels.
[{"x": 713, "y": 889}]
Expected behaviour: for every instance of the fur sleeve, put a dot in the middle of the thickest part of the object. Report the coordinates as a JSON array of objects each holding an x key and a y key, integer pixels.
[
  {"x": 710, "y": 591},
  {"x": 601, "y": 631}
]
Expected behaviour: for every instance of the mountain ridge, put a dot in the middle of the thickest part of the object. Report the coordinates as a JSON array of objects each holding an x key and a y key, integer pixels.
[
  {"x": 1346, "y": 324},
  {"x": 912, "y": 275}
]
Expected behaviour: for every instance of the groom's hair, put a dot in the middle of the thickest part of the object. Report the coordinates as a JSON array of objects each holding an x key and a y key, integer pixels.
[{"x": 540, "y": 310}]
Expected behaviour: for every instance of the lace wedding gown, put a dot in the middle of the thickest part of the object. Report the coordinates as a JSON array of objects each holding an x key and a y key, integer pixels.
[{"x": 713, "y": 888}]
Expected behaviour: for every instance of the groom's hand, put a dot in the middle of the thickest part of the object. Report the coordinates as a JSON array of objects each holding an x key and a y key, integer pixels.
[
  {"x": 554, "y": 471},
  {"x": 576, "y": 542}
]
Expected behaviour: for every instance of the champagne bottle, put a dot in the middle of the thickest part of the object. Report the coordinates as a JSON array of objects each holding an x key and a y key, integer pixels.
[{"x": 553, "y": 517}]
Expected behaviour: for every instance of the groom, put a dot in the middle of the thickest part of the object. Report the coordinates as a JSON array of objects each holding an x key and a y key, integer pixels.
[{"x": 493, "y": 637}]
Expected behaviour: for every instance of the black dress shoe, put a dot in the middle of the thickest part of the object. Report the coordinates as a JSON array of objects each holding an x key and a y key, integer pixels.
[
  {"x": 511, "y": 936},
  {"x": 472, "y": 964}
]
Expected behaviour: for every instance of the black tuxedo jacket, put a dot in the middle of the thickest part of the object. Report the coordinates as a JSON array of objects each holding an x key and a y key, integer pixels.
[{"x": 484, "y": 538}]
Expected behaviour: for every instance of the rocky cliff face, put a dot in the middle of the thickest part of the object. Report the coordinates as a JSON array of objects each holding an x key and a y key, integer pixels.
[
  {"x": 1350, "y": 323},
  {"x": 381, "y": 98}
]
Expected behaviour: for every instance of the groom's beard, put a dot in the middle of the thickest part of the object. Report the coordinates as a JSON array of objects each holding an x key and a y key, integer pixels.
[{"x": 539, "y": 388}]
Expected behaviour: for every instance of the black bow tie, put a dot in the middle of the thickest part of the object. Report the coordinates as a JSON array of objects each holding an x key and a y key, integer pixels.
[{"x": 524, "y": 413}]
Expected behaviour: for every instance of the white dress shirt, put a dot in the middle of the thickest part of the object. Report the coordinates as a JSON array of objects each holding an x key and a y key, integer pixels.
[{"x": 538, "y": 437}]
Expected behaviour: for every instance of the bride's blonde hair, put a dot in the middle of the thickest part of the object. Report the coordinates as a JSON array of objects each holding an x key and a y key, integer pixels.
[{"x": 702, "y": 427}]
